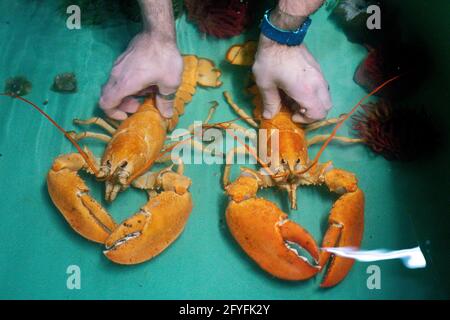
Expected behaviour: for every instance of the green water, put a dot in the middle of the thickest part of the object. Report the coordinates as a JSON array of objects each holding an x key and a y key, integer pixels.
[{"x": 403, "y": 209}]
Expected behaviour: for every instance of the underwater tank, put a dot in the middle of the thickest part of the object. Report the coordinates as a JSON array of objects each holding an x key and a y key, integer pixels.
[{"x": 62, "y": 70}]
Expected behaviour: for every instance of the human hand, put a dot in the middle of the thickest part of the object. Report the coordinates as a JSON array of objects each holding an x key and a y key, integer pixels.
[
  {"x": 149, "y": 61},
  {"x": 295, "y": 71},
  {"x": 291, "y": 68}
]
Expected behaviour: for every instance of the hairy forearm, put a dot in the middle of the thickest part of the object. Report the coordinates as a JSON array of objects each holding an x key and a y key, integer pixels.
[
  {"x": 158, "y": 18},
  {"x": 300, "y": 7},
  {"x": 290, "y": 14}
]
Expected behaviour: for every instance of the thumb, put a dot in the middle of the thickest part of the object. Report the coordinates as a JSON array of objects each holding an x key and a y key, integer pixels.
[{"x": 271, "y": 101}]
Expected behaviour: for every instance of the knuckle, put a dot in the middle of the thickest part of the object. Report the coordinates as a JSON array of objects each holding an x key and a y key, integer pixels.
[
  {"x": 259, "y": 70},
  {"x": 255, "y": 68},
  {"x": 104, "y": 103},
  {"x": 171, "y": 82},
  {"x": 264, "y": 83},
  {"x": 115, "y": 73}
]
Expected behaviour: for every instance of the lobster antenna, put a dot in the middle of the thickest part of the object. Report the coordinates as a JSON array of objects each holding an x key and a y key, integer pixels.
[
  {"x": 66, "y": 134},
  {"x": 250, "y": 150},
  {"x": 336, "y": 128}
]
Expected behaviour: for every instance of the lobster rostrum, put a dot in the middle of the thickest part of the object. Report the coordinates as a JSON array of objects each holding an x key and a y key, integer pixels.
[
  {"x": 133, "y": 146},
  {"x": 262, "y": 229}
]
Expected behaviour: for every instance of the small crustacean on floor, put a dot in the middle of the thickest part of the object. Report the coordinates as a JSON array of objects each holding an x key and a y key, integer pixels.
[
  {"x": 65, "y": 83},
  {"x": 262, "y": 230},
  {"x": 132, "y": 148}
]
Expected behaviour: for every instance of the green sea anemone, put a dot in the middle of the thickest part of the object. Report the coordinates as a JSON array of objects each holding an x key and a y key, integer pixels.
[{"x": 18, "y": 86}]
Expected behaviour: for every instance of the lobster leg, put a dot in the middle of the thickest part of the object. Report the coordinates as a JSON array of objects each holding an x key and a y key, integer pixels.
[
  {"x": 323, "y": 123},
  {"x": 97, "y": 121},
  {"x": 212, "y": 110},
  {"x": 93, "y": 135},
  {"x": 165, "y": 155},
  {"x": 152, "y": 180},
  {"x": 70, "y": 195},
  {"x": 251, "y": 134},
  {"x": 191, "y": 128},
  {"x": 112, "y": 122},
  {"x": 346, "y": 224},
  {"x": 228, "y": 162},
  {"x": 322, "y": 138},
  {"x": 244, "y": 115},
  {"x": 263, "y": 180}
]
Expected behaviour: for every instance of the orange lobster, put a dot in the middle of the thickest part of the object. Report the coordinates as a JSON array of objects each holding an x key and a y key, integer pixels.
[
  {"x": 133, "y": 147},
  {"x": 262, "y": 229}
]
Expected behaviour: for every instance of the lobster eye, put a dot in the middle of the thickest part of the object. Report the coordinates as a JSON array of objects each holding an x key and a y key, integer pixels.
[
  {"x": 298, "y": 161},
  {"x": 283, "y": 161},
  {"x": 123, "y": 164}
]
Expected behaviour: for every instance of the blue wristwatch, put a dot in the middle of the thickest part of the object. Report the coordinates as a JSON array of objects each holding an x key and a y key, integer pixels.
[{"x": 289, "y": 38}]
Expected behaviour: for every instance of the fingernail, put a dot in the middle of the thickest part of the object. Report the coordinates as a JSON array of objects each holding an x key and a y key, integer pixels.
[
  {"x": 101, "y": 103},
  {"x": 168, "y": 113},
  {"x": 267, "y": 114},
  {"x": 298, "y": 118},
  {"x": 116, "y": 114}
]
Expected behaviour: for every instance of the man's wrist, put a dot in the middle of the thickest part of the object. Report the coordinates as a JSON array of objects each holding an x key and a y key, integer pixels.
[
  {"x": 265, "y": 43},
  {"x": 286, "y": 21},
  {"x": 158, "y": 19}
]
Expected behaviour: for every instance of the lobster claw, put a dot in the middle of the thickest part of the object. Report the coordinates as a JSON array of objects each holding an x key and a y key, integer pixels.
[
  {"x": 70, "y": 195},
  {"x": 264, "y": 232},
  {"x": 150, "y": 231},
  {"x": 346, "y": 225}
]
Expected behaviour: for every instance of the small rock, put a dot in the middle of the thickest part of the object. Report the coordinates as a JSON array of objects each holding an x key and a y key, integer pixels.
[{"x": 65, "y": 83}]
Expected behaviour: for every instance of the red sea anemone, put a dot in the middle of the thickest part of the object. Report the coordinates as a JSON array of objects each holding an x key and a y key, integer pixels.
[
  {"x": 371, "y": 71},
  {"x": 389, "y": 60},
  {"x": 397, "y": 133},
  {"x": 220, "y": 18}
]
